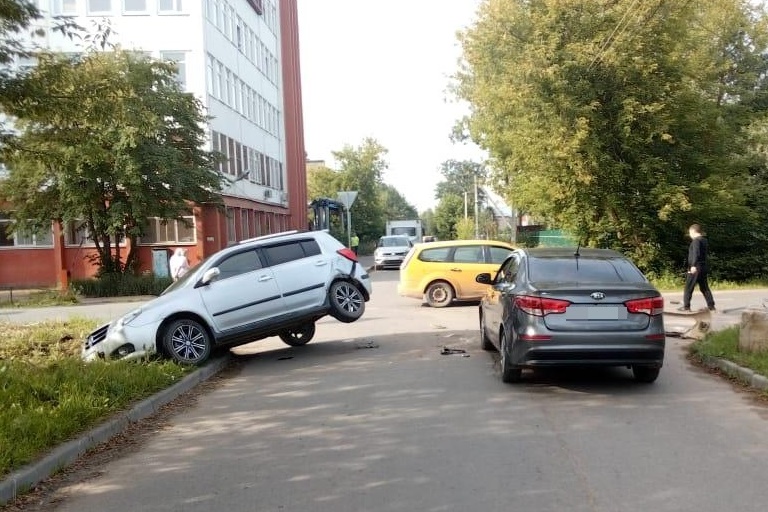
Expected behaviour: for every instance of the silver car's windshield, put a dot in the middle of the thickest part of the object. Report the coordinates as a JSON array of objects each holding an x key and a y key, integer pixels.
[{"x": 189, "y": 276}]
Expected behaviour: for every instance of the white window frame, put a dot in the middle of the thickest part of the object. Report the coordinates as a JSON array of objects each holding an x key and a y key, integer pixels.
[
  {"x": 57, "y": 8},
  {"x": 178, "y": 8},
  {"x": 5, "y": 223},
  {"x": 175, "y": 241},
  {"x": 245, "y": 223},
  {"x": 104, "y": 12},
  {"x": 82, "y": 237},
  {"x": 144, "y": 12},
  {"x": 181, "y": 73},
  {"x": 231, "y": 229}
]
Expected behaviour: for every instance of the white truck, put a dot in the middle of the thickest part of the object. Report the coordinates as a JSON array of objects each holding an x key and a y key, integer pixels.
[{"x": 411, "y": 228}]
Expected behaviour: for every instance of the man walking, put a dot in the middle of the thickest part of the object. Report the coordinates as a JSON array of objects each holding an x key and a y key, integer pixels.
[
  {"x": 697, "y": 269},
  {"x": 355, "y": 242}
]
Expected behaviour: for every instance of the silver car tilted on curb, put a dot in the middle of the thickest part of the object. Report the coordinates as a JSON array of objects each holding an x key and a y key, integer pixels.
[
  {"x": 553, "y": 307},
  {"x": 276, "y": 285}
]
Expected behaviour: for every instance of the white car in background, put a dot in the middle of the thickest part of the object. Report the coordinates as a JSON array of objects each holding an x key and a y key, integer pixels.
[
  {"x": 391, "y": 251},
  {"x": 276, "y": 285}
]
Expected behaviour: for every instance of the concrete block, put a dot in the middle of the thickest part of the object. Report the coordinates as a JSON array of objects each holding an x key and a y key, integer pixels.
[
  {"x": 759, "y": 382},
  {"x": 753, "y": 334}
]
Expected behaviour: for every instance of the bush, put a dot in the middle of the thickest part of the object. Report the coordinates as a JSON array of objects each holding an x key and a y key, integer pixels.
[{"x": 121, "y": 285}]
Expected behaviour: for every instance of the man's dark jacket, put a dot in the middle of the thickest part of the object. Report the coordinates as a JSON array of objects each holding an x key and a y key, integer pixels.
[{"x": 697, "y": 253}]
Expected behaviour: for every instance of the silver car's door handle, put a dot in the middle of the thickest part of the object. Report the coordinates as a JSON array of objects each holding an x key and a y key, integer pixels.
[
  {"x": 264, "y": 278},
  {"x": 320, "y": 263}
]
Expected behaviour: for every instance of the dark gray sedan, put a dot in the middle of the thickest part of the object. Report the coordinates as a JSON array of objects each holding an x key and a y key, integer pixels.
[{"x": 565, "y": 307}]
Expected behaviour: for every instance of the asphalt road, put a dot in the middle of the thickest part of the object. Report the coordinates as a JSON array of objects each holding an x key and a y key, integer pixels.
[{"x": 370, "y": 417}]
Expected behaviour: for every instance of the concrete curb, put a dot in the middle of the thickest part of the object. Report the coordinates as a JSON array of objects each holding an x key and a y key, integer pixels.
[
  {"x": 740, "y": 373},
  {"x": 63, "y": 455}
]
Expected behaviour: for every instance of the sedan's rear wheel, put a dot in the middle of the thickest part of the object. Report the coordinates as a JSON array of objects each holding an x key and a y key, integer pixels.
[
  {"x": 298, "y": 336},
  {"x": 439, "y": 294},
  {"x": 646, "y": 374},
  {"x": 509, "y": 374},
  {"x": 187, "y": 342},
  {"x": 485, "y": 343},
  {"x": 347, "y": 301}
]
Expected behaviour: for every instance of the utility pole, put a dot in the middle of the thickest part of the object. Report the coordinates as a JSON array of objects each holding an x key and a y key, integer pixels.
[{"x": 477, "y": 220}]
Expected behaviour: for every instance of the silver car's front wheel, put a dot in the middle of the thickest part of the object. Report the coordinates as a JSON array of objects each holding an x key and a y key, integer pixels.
[
  {"x": 187, "y": 342},
  {"x": 346, "y": 301}
]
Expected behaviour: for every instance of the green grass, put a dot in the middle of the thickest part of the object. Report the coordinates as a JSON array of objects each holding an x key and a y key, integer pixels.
[
  {"x": 48, "y": 395},
  {"x": 725, "y": 345},
  {"x": 41, "y": 298}
]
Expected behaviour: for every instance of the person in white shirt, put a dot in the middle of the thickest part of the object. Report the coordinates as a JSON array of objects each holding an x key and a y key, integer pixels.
[{"x": 179, "y": 264}]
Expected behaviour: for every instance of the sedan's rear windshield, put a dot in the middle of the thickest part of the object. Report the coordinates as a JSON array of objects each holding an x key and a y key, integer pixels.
[{"x": 583, "y": 270}]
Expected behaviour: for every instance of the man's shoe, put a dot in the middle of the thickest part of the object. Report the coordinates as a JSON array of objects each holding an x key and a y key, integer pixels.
[
  {"x": 712, "y": 309},
  {"x": 683, "y": 309}
]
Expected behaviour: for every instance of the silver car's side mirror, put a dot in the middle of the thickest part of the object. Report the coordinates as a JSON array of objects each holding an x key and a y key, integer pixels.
[{"x": 209, "y": 275}]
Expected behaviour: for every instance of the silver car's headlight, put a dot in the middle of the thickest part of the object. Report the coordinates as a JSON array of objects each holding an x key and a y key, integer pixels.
[{"x": 126, "y": 319}]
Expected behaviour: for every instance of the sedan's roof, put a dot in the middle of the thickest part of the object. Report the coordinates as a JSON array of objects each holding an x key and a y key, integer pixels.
[{"x": 569, "y": 252}]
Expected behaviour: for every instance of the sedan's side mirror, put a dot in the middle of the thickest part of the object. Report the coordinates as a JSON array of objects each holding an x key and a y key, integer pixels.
[
  {"x": 209, "y": 275},
  {"x": 484, "y": 278}
]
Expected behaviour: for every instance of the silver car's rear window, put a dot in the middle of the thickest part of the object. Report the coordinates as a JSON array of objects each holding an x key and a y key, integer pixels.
[{"x": 583, "y": 270}]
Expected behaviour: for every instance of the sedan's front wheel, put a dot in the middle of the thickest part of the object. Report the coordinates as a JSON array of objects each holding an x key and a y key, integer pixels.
[
  {"x": 646, "y": 374},
  {"x": 187, "y": 342},
  {"x": 509, "y": 373},
  {"x": 485, "y": 343}
]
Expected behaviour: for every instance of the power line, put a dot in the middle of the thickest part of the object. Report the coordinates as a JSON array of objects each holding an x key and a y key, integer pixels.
[{"x": 610, "y": 39}]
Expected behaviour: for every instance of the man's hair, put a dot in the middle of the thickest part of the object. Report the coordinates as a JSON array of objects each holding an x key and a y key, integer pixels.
[{"x": 696, "y": 228}]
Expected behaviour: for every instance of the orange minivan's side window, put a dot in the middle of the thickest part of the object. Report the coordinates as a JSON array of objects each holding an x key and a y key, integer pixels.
[
  {"x": 437, "y": 254},
  {"x": 469, "y": 254}
]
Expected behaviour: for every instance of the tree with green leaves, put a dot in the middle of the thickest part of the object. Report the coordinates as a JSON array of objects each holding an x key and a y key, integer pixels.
[
  {"x": 622, "y": 121},
  {"x": 396, "y": 207},
  {"x": 459, "y": 177},
  {"x": 361, "y": 168},
  {"x": 109, "y": 140},
  {"x": 448, "y": 213}
]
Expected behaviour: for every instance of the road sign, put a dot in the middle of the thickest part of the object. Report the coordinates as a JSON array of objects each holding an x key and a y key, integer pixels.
[{"x": 347, "y": 198}]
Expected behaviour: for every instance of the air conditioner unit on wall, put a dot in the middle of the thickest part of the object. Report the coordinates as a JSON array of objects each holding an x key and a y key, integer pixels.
[{"x": 267, "y": 193}]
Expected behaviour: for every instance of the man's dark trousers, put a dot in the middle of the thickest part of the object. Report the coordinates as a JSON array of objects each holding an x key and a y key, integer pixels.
[{"x": 700, "y": 278}]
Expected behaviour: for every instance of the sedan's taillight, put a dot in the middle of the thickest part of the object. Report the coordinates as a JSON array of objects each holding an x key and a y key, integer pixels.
[
  {"x": 651, "y": 306},
  {"x": 348, "y": 253},
  {"x": 538, "y": 306}
]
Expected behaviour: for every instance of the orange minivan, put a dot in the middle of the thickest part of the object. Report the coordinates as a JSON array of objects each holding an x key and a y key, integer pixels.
[{"x": 441, "y": 272}]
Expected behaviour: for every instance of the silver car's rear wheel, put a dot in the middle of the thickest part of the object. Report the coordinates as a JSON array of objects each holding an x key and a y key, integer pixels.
[
  {"x": 298, "y": 336},
  {"x": 346, "y": 301},
  {"x": 509, "y": 373},
  {"x": 187, "y": 342}
]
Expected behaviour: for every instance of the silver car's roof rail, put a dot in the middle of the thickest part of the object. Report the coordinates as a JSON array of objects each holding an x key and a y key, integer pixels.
[{"x": 266, "y": 237}]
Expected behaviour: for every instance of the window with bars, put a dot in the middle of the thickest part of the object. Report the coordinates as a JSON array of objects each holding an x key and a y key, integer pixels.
[{"x": 169, "y": 231}]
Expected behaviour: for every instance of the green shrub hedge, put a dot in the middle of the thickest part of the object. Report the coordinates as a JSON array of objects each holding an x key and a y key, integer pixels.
[{"x": 121, "y": 285}]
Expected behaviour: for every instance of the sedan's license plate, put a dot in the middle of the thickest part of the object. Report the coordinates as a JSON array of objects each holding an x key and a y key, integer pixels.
[{"x": 595, "y": 313}]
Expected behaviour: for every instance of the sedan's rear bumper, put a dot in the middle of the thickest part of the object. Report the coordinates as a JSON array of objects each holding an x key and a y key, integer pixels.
[{"x": 627, "y": 352}]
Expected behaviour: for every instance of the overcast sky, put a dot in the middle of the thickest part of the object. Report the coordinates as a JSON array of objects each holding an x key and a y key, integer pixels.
[{"x": 381, "y": 68}]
